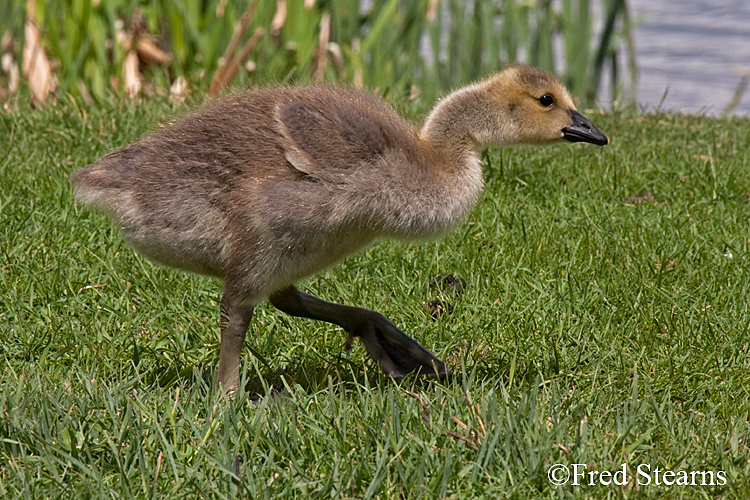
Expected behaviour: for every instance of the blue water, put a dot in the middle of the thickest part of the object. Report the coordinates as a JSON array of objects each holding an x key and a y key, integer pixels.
[{"x": 695, "y": 50}]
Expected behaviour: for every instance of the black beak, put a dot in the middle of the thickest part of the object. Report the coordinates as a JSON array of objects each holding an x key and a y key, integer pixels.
[{"x": 583, "y": 130}]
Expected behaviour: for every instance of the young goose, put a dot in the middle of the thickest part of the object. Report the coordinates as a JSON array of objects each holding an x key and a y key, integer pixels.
[{"x": 269, "y": 186}]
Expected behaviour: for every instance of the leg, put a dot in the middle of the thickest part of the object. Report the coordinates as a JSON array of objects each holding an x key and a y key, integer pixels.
[
  {"x": 395, "y": 352},
  {"x": 234, "y": 322}
]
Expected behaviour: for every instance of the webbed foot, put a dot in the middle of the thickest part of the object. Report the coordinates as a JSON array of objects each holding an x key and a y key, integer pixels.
[{"x": 395, "y": 352}]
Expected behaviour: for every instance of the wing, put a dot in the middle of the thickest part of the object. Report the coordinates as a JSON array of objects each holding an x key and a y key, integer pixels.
[{"x": 327, "y": 135}]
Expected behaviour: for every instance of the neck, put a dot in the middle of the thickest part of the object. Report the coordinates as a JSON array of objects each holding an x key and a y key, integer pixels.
[{"x": 456, "y": 123}]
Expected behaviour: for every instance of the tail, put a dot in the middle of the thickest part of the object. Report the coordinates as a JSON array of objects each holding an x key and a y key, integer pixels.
[
  {"x": 104, "y": 185},
  {"x": 95, "y": 184}
]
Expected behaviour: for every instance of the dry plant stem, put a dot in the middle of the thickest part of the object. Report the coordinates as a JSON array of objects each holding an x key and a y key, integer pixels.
[
  {"x": 149, "y": 52},
  {"x": 131, "y": 74},
  {"x": 279, "y": 18},
  {"x": 321, "y": 52},
  {"x": 218, "y": 81},
  {"x": 221, "y": 80},
  {"x": 35, "y": 65}
]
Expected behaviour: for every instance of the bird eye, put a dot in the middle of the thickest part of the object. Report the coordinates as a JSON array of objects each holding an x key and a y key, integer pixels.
[{"x": 546, "y": 100}]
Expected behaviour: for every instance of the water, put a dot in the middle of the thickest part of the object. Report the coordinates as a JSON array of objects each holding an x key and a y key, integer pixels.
[{"x": 697, "y": 49}]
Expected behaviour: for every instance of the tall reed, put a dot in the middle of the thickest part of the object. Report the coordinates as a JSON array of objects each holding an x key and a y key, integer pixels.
[{"x": 414, "y": 47}]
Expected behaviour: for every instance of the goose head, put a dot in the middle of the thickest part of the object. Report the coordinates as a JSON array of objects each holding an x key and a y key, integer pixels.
[{"x": 521, "y": 104}]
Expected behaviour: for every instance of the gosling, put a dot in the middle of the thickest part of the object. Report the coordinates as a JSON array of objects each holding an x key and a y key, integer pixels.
[{"x": 266, "y": 187}]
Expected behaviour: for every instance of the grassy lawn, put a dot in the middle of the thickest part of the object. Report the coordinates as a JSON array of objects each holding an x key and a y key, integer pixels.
[{"x": 604, "y": 322}]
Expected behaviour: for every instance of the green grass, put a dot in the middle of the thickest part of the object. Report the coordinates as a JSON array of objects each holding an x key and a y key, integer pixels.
[{"x": 603, "y": 323}]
